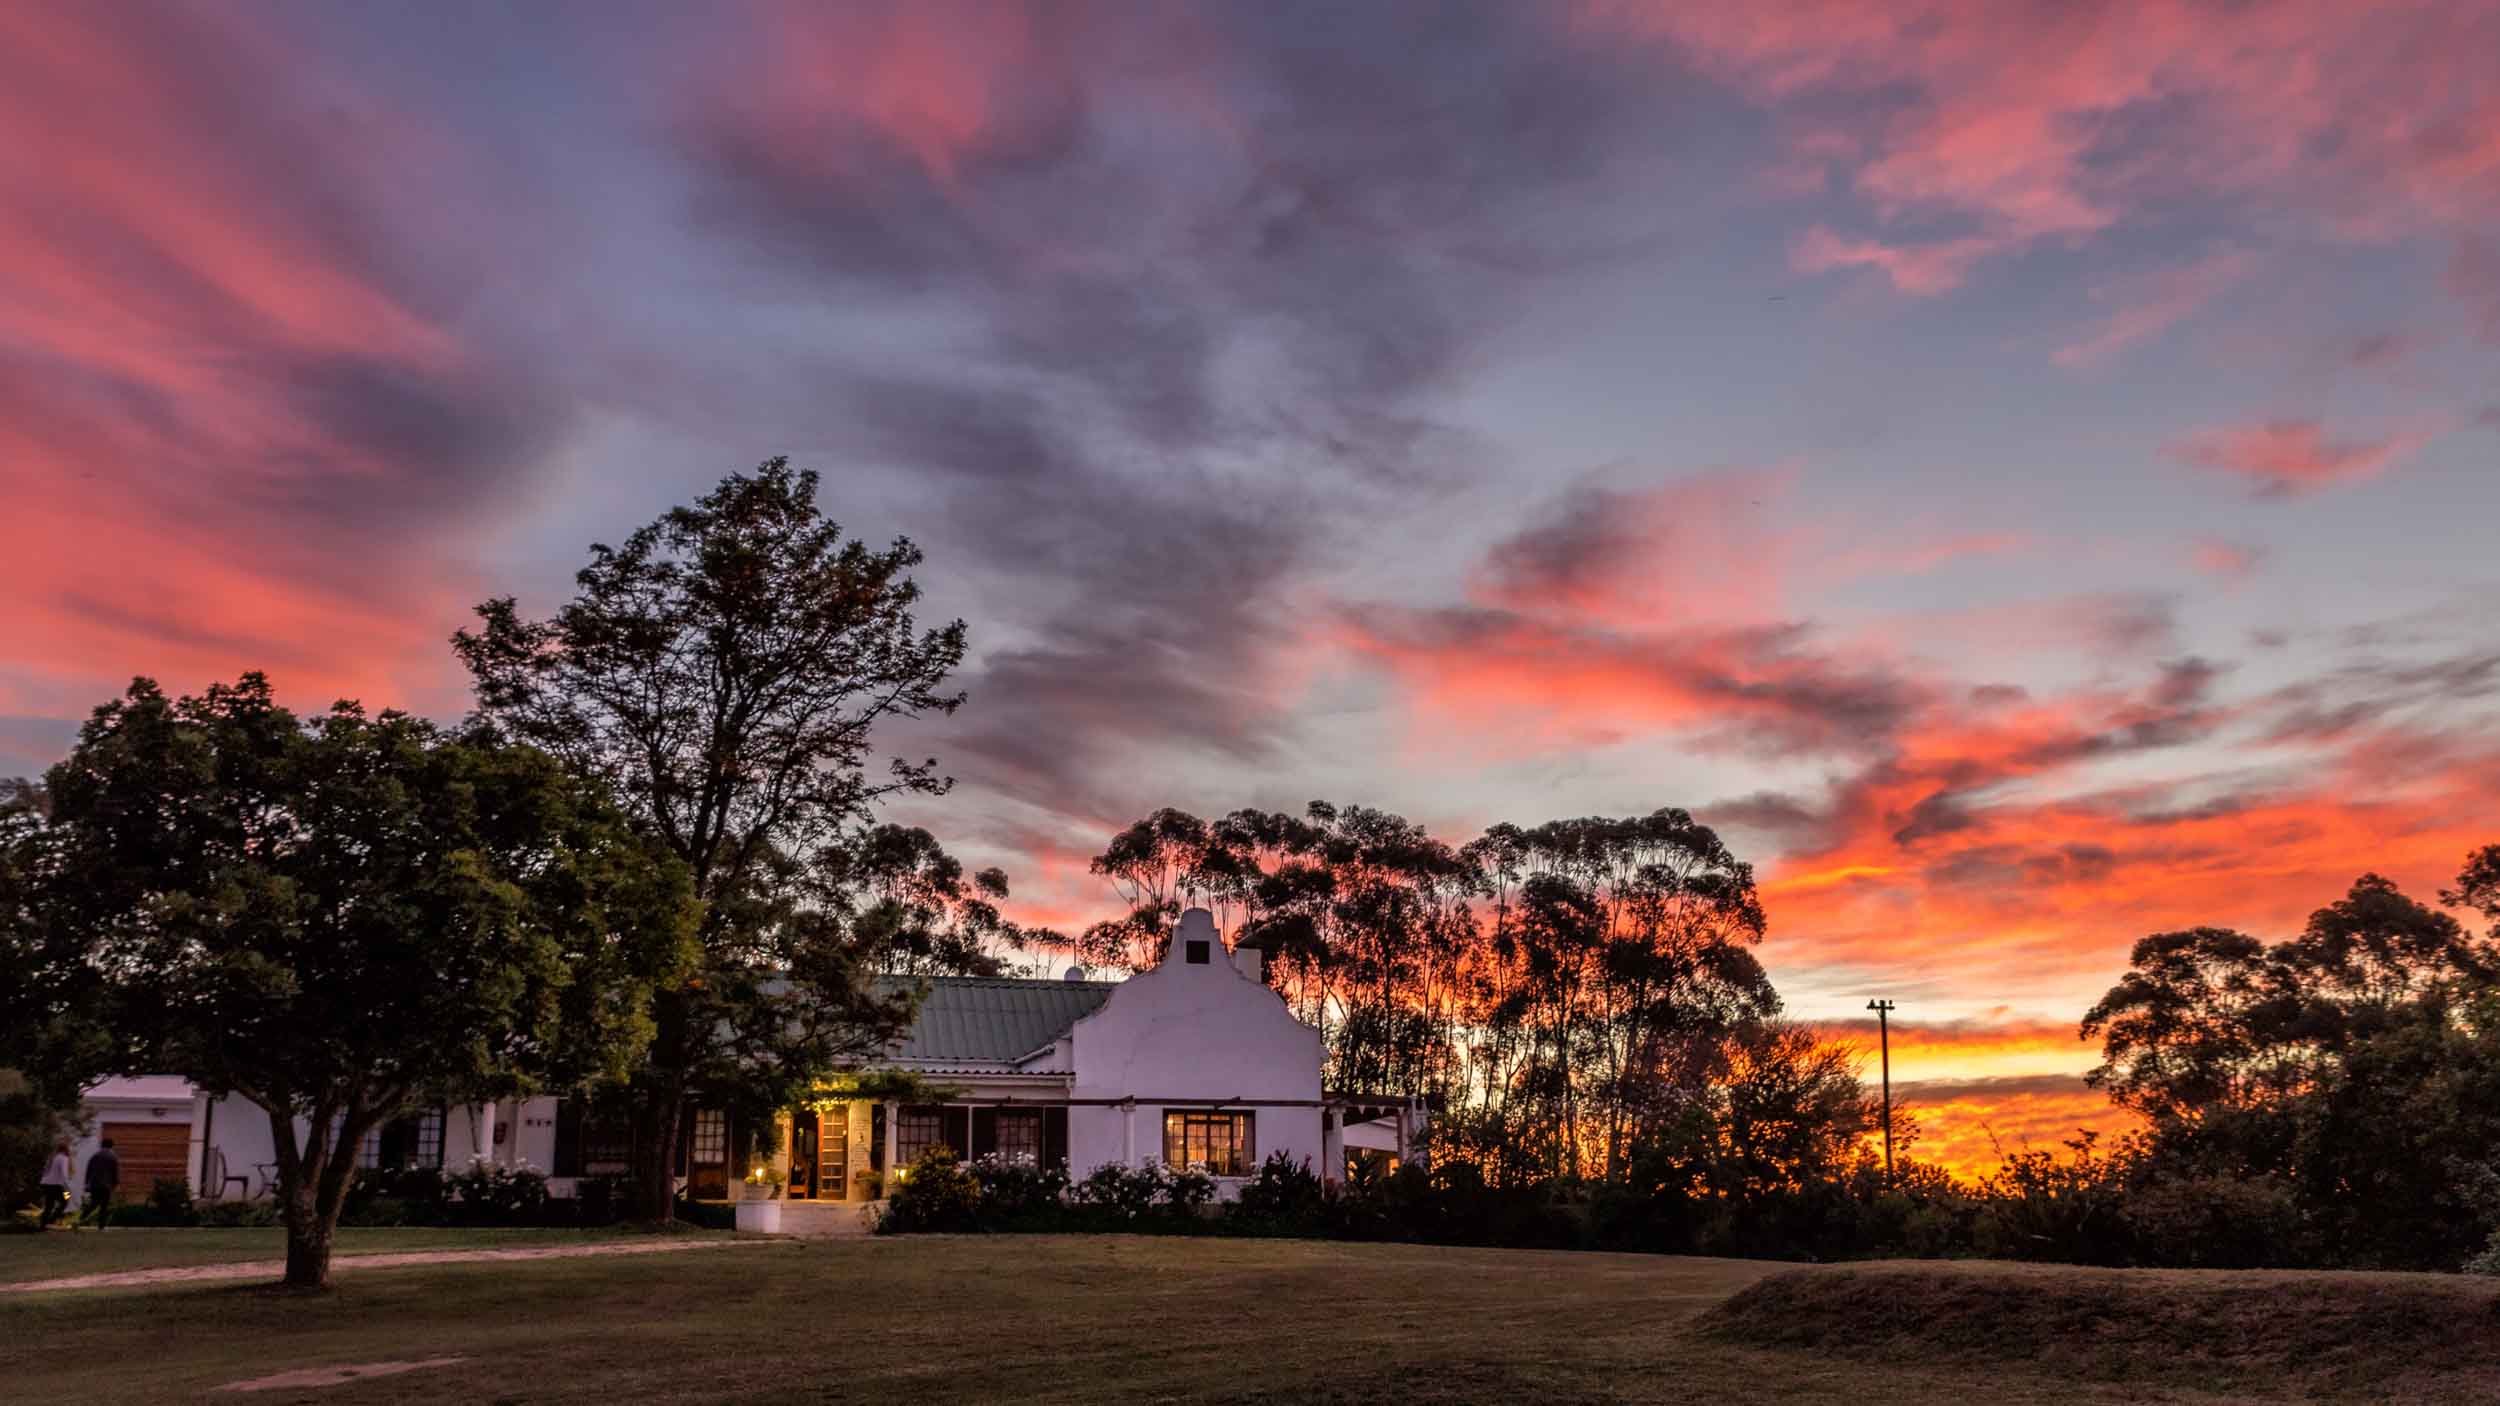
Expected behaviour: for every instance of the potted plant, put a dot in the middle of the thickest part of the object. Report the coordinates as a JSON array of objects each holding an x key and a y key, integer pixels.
[
  {"x": 870, "y": 1184},
  {"x": 759, "y": 1202}
]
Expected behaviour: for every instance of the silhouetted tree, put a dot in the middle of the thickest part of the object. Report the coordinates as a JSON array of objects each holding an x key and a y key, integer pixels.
[
  {"x": 1619, "y": 965},
  {"x": 2209, "y": 1020},
  {"x": 725, "y": 671},
  {"x": 2351, "y": 1074}
]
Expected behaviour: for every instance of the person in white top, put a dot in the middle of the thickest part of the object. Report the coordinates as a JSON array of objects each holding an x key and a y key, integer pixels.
[{"x": 56, "y": 1183}]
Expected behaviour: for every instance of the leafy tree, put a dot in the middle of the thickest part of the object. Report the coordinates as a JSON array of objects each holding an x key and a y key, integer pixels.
[
  {"x": 339, "y": 918},
  {"x": 724, "y": 670},
  {"x": 31, "y": 1125}
]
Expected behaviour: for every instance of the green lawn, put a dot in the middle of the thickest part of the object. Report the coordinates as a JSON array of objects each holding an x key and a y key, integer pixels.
[
  {"x": 1059, "y": 1319},
  {"x": 58, "y": 1254}
]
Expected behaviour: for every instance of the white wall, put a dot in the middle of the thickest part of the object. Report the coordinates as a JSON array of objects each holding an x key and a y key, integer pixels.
[
  {"x": 239, "y": 1130},
  {"x": 1184, "y": 1035},
  {"x": 532, "y": 1139}
]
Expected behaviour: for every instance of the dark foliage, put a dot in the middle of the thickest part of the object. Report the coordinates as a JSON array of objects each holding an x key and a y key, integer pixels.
[
  {"x": 339, "y": 918},
  {"x": 725, "y": 670}
]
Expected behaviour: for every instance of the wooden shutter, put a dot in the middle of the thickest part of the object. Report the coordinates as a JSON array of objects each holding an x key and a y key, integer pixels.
[
  {"x": 1055, "y": 1136},
  {"x": 568, "y": 1137}
]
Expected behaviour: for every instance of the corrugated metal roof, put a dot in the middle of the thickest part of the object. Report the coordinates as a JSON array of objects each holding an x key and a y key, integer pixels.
[{"x": 993, "y": 1019}]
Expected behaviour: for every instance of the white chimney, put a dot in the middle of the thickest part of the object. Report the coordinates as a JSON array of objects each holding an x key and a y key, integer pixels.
[{"x": 1251, "y": 961}]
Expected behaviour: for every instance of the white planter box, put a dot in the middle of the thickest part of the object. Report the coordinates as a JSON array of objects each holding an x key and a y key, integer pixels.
[{"x": 760, "y": 1217}]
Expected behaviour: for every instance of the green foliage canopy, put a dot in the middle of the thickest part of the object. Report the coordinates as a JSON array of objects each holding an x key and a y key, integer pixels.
[{"x": 338, "y": 918}]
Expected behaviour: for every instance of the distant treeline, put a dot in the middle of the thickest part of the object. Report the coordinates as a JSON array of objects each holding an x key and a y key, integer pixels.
[{"x": 1609, "y": 1066}]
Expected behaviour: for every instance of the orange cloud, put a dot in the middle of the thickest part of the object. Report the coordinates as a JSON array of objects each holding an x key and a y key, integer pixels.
[
  {"x": 2020, "y": 838},
  {"x": 1764, "y": 686},
  {"x": 2283, "y": 458}
]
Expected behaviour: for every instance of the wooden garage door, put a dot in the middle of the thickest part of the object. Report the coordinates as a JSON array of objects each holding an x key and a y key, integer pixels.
[{"x": 149, "y": 1151}]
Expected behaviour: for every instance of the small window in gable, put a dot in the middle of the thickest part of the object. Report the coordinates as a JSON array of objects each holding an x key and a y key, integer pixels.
[{"x": 1197, "y": 954}]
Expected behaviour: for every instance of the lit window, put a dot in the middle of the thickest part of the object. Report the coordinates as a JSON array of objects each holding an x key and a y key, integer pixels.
[
  {"x": 711, "y": 1137},
  {"x": 1020, "y": 1135},
  {"x": 916, "y": 1130},
  {"x": 1218, "y": 1142}
]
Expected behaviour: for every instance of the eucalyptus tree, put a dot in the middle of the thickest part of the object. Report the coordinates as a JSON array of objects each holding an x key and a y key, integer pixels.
[
  {"x": 727, "y": 670},
  {"x": 1158, "y": 865},
  {"x": 1365, "y": 920},
  {"x": 1619, "y": 966},
  {"x": 340, "y": 918}
]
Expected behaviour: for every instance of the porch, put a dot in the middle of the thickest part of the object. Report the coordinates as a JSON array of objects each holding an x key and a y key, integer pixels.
[{"x": 848, "y": 1150}]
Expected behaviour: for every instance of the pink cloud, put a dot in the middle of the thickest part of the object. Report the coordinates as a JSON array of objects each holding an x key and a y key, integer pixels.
[
  {"x": 2149, "y": 304},
  {"x": 2053, "y": 121},
  {"x": 1920, "y": 270},
  {"x": 1698, "y": 548},
  {"x": 2229, "y": 561},
  {"x": 2283, "y": 458},
  {"x": 232, "y": 431}
]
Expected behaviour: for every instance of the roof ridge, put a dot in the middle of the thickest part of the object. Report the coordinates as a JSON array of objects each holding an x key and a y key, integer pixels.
[{"x": 1041, "y": 981}]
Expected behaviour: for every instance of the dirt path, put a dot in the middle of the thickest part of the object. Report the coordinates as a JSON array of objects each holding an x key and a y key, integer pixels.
[{"x": 272, "y": 1269}]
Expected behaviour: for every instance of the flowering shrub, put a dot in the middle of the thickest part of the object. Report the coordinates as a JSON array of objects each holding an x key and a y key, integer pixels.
[
  {"x": 1017, "y": 1191},
  {"x": 1123, "y": 1195},
  {"x": 935, "y": 1194},
  {"x": 1189, "y": 1190},
  {"x": 488, "y": 1193}
]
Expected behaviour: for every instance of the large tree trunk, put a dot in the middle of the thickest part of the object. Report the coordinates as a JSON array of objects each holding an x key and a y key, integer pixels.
[
  {"x": 300, "y": 1167},
  {"x": 312, "y": 1187},
  {"x": 659, "y": 1099},
  {"x": 309, "y": 1236}
]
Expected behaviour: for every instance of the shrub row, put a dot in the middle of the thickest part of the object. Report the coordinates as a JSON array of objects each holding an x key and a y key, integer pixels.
[
  {"x": 2084, "y": 1208},
  {"x": 482, "y": 1194}
]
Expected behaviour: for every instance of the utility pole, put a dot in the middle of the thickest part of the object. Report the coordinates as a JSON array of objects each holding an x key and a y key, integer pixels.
[{"x": 1883, "y": 1029}]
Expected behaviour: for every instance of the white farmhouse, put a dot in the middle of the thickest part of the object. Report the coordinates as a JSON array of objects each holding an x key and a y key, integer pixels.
[{"x": 1195, "y": 1061}]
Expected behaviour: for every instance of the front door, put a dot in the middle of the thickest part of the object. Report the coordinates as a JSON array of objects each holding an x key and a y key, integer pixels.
[
  {"x": 707, "y": 1155},
  {"x": 833, "y": 1155},
  {"x": 803, "y": 1155}
]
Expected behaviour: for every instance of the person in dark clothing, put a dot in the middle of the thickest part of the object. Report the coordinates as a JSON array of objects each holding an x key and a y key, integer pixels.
[{"x": 104, "y": 1172}]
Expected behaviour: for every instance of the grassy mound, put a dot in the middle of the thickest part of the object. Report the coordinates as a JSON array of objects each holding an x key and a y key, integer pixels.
[{"x": 2255, "y": 1332}]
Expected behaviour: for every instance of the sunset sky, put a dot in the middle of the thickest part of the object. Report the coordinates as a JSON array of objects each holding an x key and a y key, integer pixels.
[{"x": 2025, "y": 472}]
